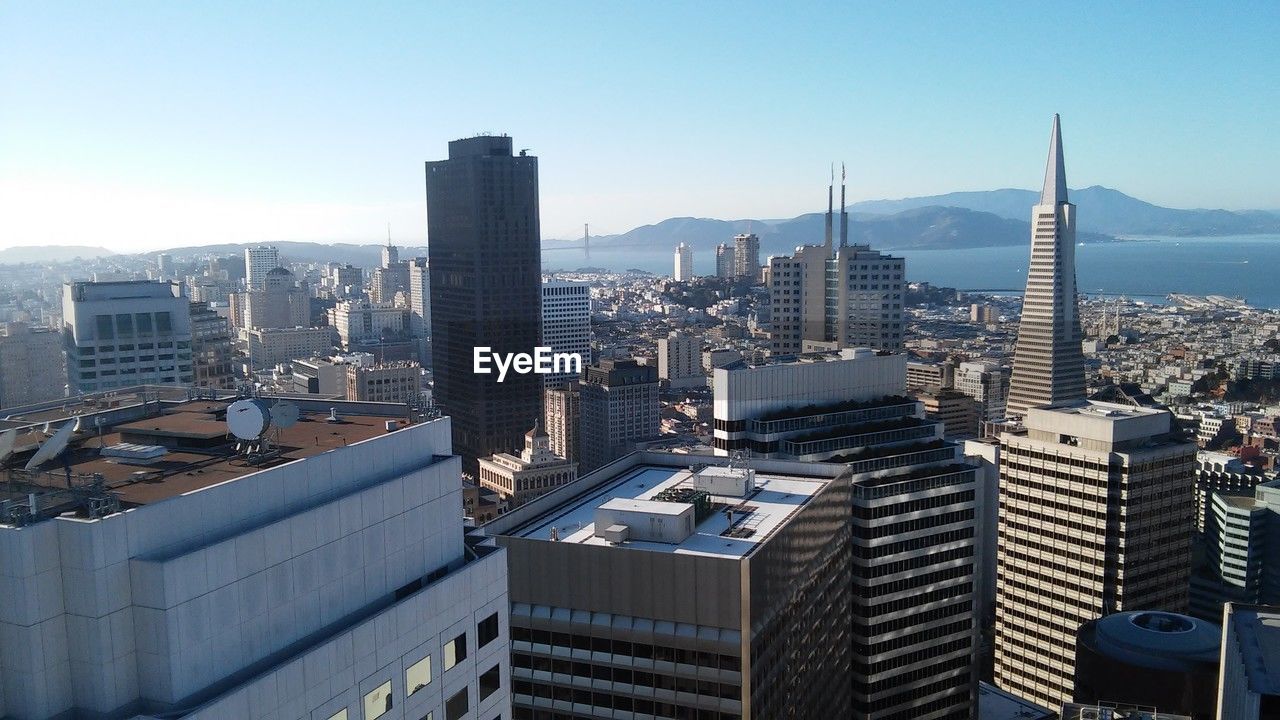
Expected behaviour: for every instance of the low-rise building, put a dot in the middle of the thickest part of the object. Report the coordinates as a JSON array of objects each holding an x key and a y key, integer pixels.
[{"x": 536, "y": 471}]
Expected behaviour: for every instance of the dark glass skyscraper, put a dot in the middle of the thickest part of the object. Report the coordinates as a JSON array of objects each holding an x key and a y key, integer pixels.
[{"x": 486, "y": 283}]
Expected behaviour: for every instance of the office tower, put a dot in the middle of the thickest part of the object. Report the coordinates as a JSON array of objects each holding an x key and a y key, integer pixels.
[
  {"x": 394, "y": 382},
  {"x": 269, "y": 347},
  {"x": 120, "y": 334},
  {"x": 1096, "y": 509},
  {"x": 258, "y": 261},
  {"x": 957, "y": 412},
  {"x": 619, "y": 408},
  {"x": 1048, "y": 363},
  {"x": 360, "y": 323},
  {"x": 324, "y": 576},
  {"x": 654, "y": 589},
  {"x": 915, "y": 511},
  {"x": 566, "y": 325},
  {"x": 482, "y": 221},
  {"x": 211, "y": 350},
  {"x": 346, "y": 281},
  {"x": 1249, "y": 680},
  {"x": 278, "y": 302},
  {"x": 1238, "y": 558},
  {"x": 680, "y": 360},
  {"x": 1226, "y": 474},
  {"x": 419, "y": 298},
  {"x": 389, "y": 281},
  {"x": 988, "y": 384},
  {"x": 746, "y": 256},
  {"x": 390, "y": 253},
  {"x": 536, "y": 471},
  {"x": 164, "y": 265},
  {"x": 32, "y": 365},
  {"x": 823, "y": 301},
  {"x": 922, "y": 375},
  {"x": 563, "y": 412},
  {"x": 684, "y": 263},
  {"x": 724, "y": 260}
]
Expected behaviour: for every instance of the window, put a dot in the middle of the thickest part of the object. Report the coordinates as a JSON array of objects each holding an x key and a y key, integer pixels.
[
  {"x": 378, "y": 701},
  {"x": 455, "y": 651},
  {"x": 487, "y": 630},
  {"x": 456, "y": 707},
  {"x": 490, "y": 681},
  {"x": 143, "y": 323},
  {"x": 163, "y": 322},
  {"x": 340, "y": 715},
  {"x": 418, "y": 675},
  {"x": 105, "y": 329},
  {"x": 124, "y": 325}
]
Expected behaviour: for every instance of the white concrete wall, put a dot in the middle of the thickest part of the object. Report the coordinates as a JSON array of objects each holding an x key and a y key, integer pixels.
[{"x": 752, "y": 391}]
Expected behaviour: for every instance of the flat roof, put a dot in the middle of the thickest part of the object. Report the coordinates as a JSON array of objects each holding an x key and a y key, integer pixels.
[
  {"x": 776, "y": 498},
  {"x": 996, "y": 704},
  {"x": 1258, "y": 641}
]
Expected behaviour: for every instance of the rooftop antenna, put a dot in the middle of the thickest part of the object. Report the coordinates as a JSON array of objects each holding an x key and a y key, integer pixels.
[
  {"x": 388, "y": 234},
  {"x": 586, "y": 240},
  {"x": 830, "y": 187},
  {"x": 844, "y": 214}
]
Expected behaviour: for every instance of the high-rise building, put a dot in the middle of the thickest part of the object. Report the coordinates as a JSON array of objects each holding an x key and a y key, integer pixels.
[
  {"x": 988, "y": 384},
  {"x": 390, "y": 253},
  {"x": 328, "y": 576},
  {"x": 1249, "y": 681},
  {"x": 269, "y": 347},
  {"x": 1096, "y": 512},
  {"x": 278, "y": 302},
  {"x": 724, "y": 260},
  {"x": 486, "y": 284},
  {"x": 1048, "y": 364},
  {"x": 258, "y": 261},
  {"x": 536, "y": 471},
  {"x": 957, "y": 412},
  {"x": 746, "y": 256},
  {"x": 164, "y": 265},
  {"x": 120, "y": 334},
  {"x": 419, "y": 298},
  {"x": 32, "y": 365},
  {"x": 822, "y": 298},
  {"x": 654, "y": 589},
  {"x": 563, "y": 413},
  {"x": 619, "y": 408},
  {"x": 389, "y": 281},
  {"x": 395, "y": 382},
  {"x": 346, "y": 281},
  {"x": 680, "y": 360},
  {"x": 684, "y": 263},
  {"x": 1239, "y": 550},
  {"x": 922, "y": 375},
  {"x": 566, "y": 325},
  {"x": 211, "y": 348},
  {"x": 360, "y": 322}
]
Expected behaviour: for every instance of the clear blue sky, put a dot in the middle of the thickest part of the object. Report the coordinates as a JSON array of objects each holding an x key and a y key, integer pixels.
[{"x": 142, "y": 125}]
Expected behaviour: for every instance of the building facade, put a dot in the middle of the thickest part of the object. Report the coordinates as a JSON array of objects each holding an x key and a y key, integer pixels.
[
  {"x": 121, "y": 334},
  {"x": 619, "y": 401},
  {"x": 822, "y": 298},
  {"x": 258, "y": 261},
  {"x": 680, "y": 360},
  {"x": 563, "y": 413},
  {"x": 683, "y": 263},
  {"x": 278, "y": 302},
  {"x": 988, "y": 384},
  {"x": 746, "y": 256},
  {"x": 211, "y": 348},
  {"x": 485, "y": 257},
  {"x": 269, "y": 347},
  {"x": 32, "y": 365},
  {"x": 533, "y": 473},
  {"x": 395, "y": 382},
  {"x": 566, "y": 325},
  {"x": 724, "y": 260}
]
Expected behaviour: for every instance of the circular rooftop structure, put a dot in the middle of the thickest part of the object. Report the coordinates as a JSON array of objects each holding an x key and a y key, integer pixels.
[{"x": 1157, "y": 640}]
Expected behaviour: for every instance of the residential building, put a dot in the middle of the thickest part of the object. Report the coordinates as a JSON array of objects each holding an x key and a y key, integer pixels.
[
  {"x": 563, "y": 412},
  {"x": 566, "y": 325},
  {"x": 1096, "y": 509},
  {"x": 746, "y": 256},
  {"x": 988, "y": 384},
  {"x": 533, "y": 473},
  {"x": 680, "y": 361},
  {"x": 724, "y": 260},
  {"x": 258, "y": 261},
  {"x": 32, "y": 365},
  {"x": 633, "y": 592},
  {"x": 395, "y": 382},
  {"x": 1249, "y": 678},
  {"x": 683, "y": 263},
  {"x": 419, "y": 298},
  {"x": 278, "y": 302},
  {"x": 121, "y": 334},
  {"x": 269, "y": 347},
  {"x": 619, "y": 408},
  {"x": 324, "y": 576},
  {"x": 211, "y": 354},
  {"x": 485, "y": 256},
  {"x": 1048, "y": 365}
]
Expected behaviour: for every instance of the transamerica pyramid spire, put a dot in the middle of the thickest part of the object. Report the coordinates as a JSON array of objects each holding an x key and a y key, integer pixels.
[{"x": 1048, "y": 364}]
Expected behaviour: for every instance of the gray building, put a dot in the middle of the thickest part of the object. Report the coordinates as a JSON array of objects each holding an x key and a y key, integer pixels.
[
  {"x": 1249, "y": 675},
  {"x": 664, "y": 590},
  {"x": 211, "y": 354},
  {"x": 32, "y": 365},
  {"x": 746, "y": 256},
  {"x": 619, "y": 407},
  {"x": 486, "y": 283},
  {"x": 121, "y": 334},
  {"x": 167, "y": 573},
  {"x": 258, "y": 261}
]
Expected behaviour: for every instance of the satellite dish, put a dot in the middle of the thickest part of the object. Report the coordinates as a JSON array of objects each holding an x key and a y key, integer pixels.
[
  {"x": 52, "y": 447},
  {"x": 7, "y": 440},
  {"x": 284, "y": 414},
  {"x": 248, "y": 419}
]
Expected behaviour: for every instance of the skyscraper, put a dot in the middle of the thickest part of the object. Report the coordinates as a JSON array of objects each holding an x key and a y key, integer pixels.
[
  {"x": 31, "y": 365},
  {"x": 724, "y": 260},
  {"x": 566, "y": 325},
  {"x": 684, "y": 263},
  {"x": 746, "y": 256},
  {"x": 419, "y": 298},
  {"x": 619, "y": 408},
  {"x": 1048, "y": 365},
  {"x": 120, "y": 334},
  {"x": 486, "y": 284},
  {"x": 258, "y": 261}
]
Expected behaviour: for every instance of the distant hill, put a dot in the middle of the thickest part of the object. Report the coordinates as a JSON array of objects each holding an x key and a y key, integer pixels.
[
  {"x": 1101, "y": 210},
  {"x": 366, "y": 256},
  {"x": 916, "y": 228},
  {"x": 41, "y": 254}
]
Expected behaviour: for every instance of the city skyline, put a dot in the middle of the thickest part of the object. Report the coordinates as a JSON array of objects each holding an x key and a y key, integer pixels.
[{"x": 236, "y": 128}]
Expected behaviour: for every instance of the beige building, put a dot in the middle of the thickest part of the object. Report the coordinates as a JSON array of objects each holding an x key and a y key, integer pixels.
[
  {"x": 680, "y": 360},
  {"x": 535, "y": 472},
  {"x": 271, "y": 346},
  {"x": 957, "y": 412},
  {"x": 562, "y": 408},
  {"x": 1096, "y": 513},
  {"x": 31, "y": 365},
  {"x": 387, "y": 382},
  {"x": 281, "y": 302}
]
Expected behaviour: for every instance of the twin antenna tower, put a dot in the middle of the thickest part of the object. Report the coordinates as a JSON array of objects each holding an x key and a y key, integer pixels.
[{"x": 844, "y": 214}]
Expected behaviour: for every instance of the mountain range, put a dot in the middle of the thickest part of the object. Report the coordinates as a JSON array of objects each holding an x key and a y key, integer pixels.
[{"x": 50, "y": 253}]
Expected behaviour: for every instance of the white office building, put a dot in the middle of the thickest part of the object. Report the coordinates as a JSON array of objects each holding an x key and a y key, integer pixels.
[
  {"x": 120, "y": 334},
  {"x": 327, "y": 577},
  {"x": 683, "y": 263},
  {"x": 258, "y": 261},
  {"x": 988, "y": 384},
  {"x": 680, "y": 361},
  {"x": 566, "y": 325}
]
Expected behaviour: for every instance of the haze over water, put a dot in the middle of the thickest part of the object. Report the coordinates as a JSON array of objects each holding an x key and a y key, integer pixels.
[{"x": 1149, "y": 269}]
